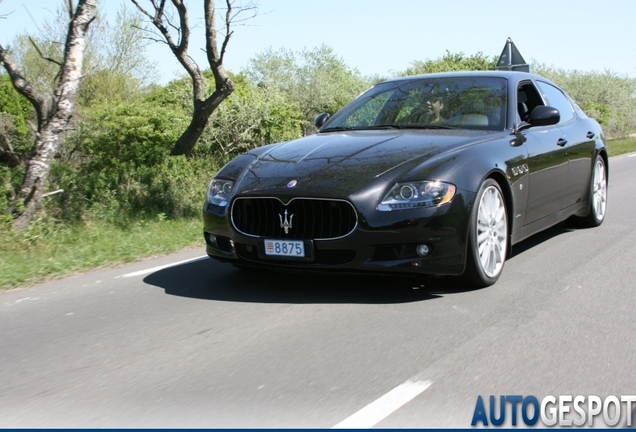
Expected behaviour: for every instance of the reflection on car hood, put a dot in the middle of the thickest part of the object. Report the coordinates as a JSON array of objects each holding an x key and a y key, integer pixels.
[{"x": 338, "y": 164}]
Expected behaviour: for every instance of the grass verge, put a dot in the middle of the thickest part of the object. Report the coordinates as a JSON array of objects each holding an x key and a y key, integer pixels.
[
  {"x": 619, "y": 146},
  {"x": 48, "y": 251}
]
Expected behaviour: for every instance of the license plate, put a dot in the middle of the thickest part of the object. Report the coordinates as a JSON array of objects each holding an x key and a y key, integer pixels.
[{"x": 287, "y": 248}]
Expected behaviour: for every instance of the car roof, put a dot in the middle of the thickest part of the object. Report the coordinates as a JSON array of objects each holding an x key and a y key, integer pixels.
[{"x": 513, "y": 76}]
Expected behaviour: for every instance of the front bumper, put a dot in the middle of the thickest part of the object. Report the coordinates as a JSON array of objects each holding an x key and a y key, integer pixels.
[{"x": 383, "y": 242}]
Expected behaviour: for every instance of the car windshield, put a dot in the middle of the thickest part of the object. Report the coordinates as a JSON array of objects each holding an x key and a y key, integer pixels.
[{"x": 427, "y": 103}]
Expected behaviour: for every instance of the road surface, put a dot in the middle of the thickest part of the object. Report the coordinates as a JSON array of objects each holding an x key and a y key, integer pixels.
[{"x": 183, "y": 341}]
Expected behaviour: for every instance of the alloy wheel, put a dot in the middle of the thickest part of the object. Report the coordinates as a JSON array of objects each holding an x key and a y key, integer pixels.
[
  {"x": 492, "y": 231},
  {"x": 599, "y": 191}
]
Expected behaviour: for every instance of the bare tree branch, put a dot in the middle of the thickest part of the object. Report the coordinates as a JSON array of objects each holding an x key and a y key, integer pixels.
[
  {"x": 69, "y": 8},
  {"x": 42, "y": 56},
  {"x": 8, "y": 156},
  {"x": 203, "y": 106},
  {"x": 180, "y": 49},
  {"x": 24, "y": 87}
]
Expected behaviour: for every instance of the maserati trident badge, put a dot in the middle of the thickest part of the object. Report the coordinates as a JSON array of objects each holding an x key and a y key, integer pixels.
[{"x": 286, "y": 224}]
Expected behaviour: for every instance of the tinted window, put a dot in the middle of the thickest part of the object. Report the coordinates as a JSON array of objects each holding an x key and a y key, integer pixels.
[
  {"x": 557, "y": 99},
  {"x": 456, "y": 102},
  {"x": 528, "y": 98}
]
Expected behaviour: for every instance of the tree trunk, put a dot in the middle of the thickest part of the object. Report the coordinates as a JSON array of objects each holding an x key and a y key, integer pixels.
[
  {"x": 203, "y": 108},
  {"x": 35, "y": 176},
  {"x": 52, "y": 123},
  {"x": 200, "y": 117}
]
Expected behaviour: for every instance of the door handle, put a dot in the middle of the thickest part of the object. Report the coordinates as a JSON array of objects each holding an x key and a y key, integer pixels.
[
  {"x": 561, "y": 142},
  {"x": 590, "y": 135}
]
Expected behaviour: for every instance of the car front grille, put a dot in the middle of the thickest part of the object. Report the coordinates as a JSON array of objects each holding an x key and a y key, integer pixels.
[{"x": 300, "y": 219}]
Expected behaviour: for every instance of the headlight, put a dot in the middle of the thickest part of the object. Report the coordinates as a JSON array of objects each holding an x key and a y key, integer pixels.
[
  {"x": 417, "y": 194},
  {"x": 219, "y": 192}
]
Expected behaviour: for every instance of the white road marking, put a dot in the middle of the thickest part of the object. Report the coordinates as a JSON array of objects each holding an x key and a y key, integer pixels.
[
  {"x": 381, "y": 408},
  {"x": 632, "y": 155},
  {"x": 15, "y": 302},
  {"x": 154, "y": 269}
]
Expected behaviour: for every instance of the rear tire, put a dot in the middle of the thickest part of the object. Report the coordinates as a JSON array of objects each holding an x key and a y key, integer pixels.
[
  {"x": 598, "y": 199},
  {"x": 598, "y": 195},
  {"x": 487, "y": 236}
]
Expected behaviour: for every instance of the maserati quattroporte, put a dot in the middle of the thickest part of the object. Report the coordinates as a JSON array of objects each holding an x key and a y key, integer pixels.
[{"x": 438, "y": 174}]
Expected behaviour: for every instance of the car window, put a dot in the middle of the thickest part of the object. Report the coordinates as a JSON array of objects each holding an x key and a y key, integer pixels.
[
  {"x": 528, "y": 98},
  {"x": 462, "y": 102},
  {"x": 558, "y": 100}
]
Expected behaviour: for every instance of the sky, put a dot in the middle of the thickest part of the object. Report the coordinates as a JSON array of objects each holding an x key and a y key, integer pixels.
[{"x": 381, "y": 37}]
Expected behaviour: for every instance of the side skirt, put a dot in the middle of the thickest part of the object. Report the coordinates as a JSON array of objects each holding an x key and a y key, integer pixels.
[{"x": 542, "y": 224}]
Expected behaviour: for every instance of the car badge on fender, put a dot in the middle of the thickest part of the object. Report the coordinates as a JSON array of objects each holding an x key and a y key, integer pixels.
[
  {"x": 292, "y": 183},
  {"x": 286, "y": 224}
]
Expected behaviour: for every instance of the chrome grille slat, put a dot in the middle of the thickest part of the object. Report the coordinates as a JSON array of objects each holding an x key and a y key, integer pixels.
[{"x": 313, "y": 218}]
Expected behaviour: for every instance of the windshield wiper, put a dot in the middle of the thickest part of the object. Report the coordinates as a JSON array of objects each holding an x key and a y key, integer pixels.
[
  {"x": 336, "y": 129},
  {"x": 383, "y": 127},
  {"x": 408, "y": 126},
  {"x": 427, "y": 127}
]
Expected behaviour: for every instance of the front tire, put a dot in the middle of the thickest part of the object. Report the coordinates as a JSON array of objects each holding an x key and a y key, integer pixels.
[{"x": 487, "y": 236}]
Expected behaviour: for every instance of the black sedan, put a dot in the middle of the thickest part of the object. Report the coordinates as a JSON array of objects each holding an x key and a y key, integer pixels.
[{"x": 437, "y": 174}]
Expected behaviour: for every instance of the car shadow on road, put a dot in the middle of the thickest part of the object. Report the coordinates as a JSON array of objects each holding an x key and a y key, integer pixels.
[
  {"x": 208, "y": 279},
  {"x": 540, "y": 237}
]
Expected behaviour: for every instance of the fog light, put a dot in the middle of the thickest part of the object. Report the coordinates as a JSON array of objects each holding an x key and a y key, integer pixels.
[
  {"x": 423, "y": 250},
  {"x": 211, "y": 240}
]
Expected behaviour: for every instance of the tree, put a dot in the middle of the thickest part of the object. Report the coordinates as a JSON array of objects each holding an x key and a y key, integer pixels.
[
  {"x": 52, "y": 115},
  {"x": 251, "y": 117},
  {"x": 452, "y": 62},
  {"x": 317, "y": 80},
  {"x": 115, "y": 65},
  {"x": 203, "y": 106},
  {"x": 605, "y": 96}
]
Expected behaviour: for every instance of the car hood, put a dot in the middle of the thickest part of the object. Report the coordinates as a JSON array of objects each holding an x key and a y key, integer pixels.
[{"x": 339, "y": 164}]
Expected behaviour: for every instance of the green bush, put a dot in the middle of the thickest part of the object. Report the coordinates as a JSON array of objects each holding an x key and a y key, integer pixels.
[
  {"x": 124, "y": 169},
  {"x": 15, "y": 112},
  {"x": 251, "y": 117},
  {"x": 450, "y": 62}
]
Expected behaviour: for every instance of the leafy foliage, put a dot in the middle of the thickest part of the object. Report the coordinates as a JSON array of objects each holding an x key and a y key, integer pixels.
[
  {"x": 316, "y": 80},
  {"x": 18, "y": 112},
  {"x": 125, "y": 168},
  {"x": 451, "y": 62},
  {"x": 251, "y": 117},
  {"x": 605, "y": 96},
  {"x": 115, "y": 64}
]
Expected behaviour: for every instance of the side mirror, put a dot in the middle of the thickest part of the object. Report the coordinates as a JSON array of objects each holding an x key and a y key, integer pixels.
[
  {"x": 544, "y": 116},
  {"x": 321, "y": 119}
]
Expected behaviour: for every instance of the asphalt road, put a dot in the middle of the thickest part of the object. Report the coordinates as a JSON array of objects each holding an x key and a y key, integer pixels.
[{"x": 201, "y": 344}]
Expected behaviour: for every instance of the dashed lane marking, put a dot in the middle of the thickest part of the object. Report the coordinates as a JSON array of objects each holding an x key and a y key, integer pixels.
[{"x": 381, "y": 408}]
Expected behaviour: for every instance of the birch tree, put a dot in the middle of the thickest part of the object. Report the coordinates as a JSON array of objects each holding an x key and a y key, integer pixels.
[{"x": 53, "y": 114}]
